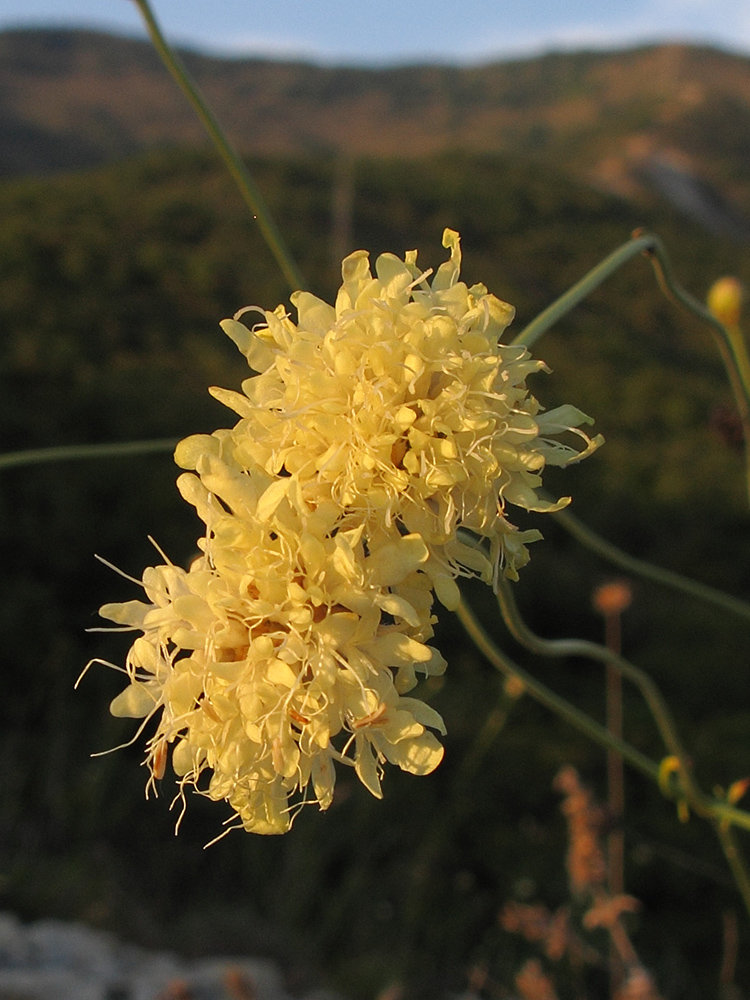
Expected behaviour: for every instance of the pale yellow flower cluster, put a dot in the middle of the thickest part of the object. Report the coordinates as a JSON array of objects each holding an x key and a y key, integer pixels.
[{"x": 375, "y": 430}]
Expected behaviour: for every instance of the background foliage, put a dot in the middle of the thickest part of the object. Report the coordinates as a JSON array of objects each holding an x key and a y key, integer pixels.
[{"x": 111, "y": 286}]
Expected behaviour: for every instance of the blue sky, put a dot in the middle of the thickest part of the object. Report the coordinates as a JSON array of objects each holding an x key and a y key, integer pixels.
[{"x": 378, "y": 31}]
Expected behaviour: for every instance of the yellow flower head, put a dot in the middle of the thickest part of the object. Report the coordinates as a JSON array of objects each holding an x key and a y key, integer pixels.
[
  {"x": 400, "y": 405},
  {"x": 374, "y": 431},
  {"x": 282, "y": 649}
]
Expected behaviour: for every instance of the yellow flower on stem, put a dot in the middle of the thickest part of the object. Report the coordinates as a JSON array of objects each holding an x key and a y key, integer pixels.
[{"x": 374, "y": 430}]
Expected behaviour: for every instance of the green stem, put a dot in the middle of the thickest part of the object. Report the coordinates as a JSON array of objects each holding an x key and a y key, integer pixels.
[
  {"x": 593, "y": 651},
  {"x": 640, "y": 567},
  {"x": 721, "y": 814},
  {"x": 248, "y": 188},
  {"x": 715, "y": 809},
  {"x": 553, "y": 701},
  {"x": 662, "y": 265},
  {"x": 731, "y": 344},
  {"x": 729, "y": 815},
  {"x": 595, "y": 277},
  {"x": 734, "y": 860},
  {"x": 65, "y": 453},
  {"x": 703, "y": 805}
]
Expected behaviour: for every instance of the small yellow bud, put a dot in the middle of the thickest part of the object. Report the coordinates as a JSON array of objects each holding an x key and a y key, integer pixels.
[
  {"x": 736, "y": 790},
  {"x": 724, "y": 300},
  {"x": 668, "y": 766}
]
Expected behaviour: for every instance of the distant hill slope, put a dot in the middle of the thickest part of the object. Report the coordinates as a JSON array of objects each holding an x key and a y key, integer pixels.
[
  {"x": 111, "y": 286},
  {"x": 668, "y": 120}
]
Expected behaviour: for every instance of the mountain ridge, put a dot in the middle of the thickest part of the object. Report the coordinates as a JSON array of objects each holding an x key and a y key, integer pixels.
[{"x": 640, "y": 122}]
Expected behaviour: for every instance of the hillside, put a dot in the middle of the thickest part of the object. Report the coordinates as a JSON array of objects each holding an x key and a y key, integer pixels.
[
  {"x": 111, "y": 285},
  {"x": 668, "y": 120}
]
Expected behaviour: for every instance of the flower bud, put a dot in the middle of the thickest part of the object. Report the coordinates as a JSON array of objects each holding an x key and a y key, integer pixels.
[
  {"x": 724, "y": 300},
  {"x": 613, "y": 598}
]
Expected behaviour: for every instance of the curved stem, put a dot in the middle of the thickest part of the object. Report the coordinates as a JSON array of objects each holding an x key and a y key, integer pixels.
[
  {"x": 640, "y": 567},
  {"x": 722, "y": 815},
  {"x": 703, "y": 805},
  {"x": 248, "y": 188},
  {"x": 593, "y": 651},
  {"x": 734, "y": 860},
  {"x": 553, "y": 701},
  {"x": 66, "y": 453},
  {"x": 729, "y": 815},
  {"x": 662, "y": 265},
  {"x": 730, "y": 342},
  {"x": 595, "y": 277}
]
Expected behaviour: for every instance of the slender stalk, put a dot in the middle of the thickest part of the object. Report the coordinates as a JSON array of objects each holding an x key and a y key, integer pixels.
[
  {"x": 647, "y": 570},
  {"x": 729, "y": 956},
  {"x": 705, "y": 806},
  {"x": 615, "y": 770},
  {"x": 729, "y": 815},
  {"x": 721, "y": 814},
  {"x": 662, "y": 265},
  {"x": 248, "y": 188},
  {"x": 553, "y": 701},
  {"x": 734, "y": 860},
  {"x": 730, "y": 342},
  {"x": 75, "y": 452},
  {"x": 595, "y": 277},
  {"x": 593, "y": 651},
  {"x": 615, "y": 839}
]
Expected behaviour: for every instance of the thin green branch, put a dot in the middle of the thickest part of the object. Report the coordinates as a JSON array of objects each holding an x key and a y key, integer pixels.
[
  {"x": 595, "y": 277},
  {"x": 730, "y": 342},
  {"x": 729, "y": 815},
  {"x": 662, "y": 265},
  {"x": 705, "y": 806},
  {"x": 593, "y": 651},
  {"x": 734, "y": 859},
  {"x": 716, "y": 809},
  {"x": 74, "y": 452},
  {"x": 639, "y": 567},
  {"x": 248, "y": 188},
  {"x": 553, "y": 701}
]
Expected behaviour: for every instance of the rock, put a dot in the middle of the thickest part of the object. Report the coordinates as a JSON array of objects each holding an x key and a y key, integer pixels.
[{"x": 57, "y": 960}]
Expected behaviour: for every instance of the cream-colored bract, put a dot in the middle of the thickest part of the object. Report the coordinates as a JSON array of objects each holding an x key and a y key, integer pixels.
[{"x": 374, "y": 430}]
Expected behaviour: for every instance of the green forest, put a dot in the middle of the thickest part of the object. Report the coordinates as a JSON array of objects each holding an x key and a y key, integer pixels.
[{"x": 112, "y": 285}]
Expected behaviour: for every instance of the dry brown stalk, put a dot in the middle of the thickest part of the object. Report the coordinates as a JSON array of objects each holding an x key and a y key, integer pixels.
[
  {"x": 533, "y": 983},
  {"x": 587, "y": 868}
]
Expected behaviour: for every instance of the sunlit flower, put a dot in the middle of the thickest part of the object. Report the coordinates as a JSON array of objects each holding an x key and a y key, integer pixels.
[
  {"x": 375, "y": 430},
  {"x": 281, "y": 650},
  {"x": 400, "y": 405}
]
